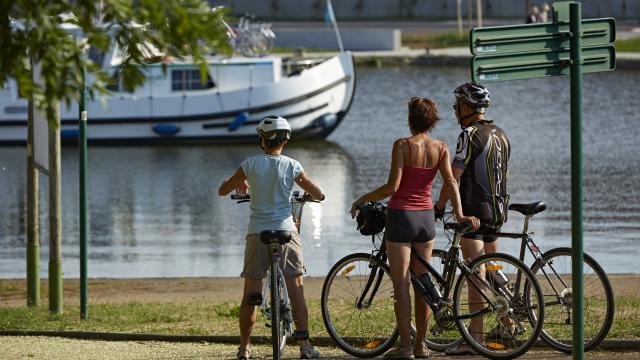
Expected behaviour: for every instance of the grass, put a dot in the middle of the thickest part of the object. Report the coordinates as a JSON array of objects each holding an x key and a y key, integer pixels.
[
  {"x": 628, "y": 45},
  {"x": 443, "y": 40},
  {"x": 213, "y": 318}
]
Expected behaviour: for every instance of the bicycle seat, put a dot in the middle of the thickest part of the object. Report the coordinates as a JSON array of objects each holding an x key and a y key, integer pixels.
[
  {"x": 275, "y": 236},
  {"x": 529, "y": 209}
]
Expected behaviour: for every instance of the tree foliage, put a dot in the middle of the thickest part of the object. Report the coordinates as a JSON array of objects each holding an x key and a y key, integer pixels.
[{"x": 34, "y": 31}]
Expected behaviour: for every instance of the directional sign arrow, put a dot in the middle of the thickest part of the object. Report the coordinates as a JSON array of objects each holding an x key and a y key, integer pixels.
[
  {"x": 542, "y": 63},
  {"x": 534, "y": 37}
]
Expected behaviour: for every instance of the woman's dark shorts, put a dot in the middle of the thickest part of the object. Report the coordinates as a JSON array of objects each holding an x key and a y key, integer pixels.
[{"x": 405, "y": 226}]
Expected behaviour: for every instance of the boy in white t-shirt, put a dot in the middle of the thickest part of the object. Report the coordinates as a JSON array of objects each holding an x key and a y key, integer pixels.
[{"x": 271, "y": 177}]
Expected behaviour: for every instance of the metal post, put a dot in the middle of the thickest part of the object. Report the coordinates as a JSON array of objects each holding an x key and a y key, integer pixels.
[
  {"x": 82, "y": 124},
  {"x": 470, "y": 14},
  {"x": 576, "y": 181},
  {"x": 33, "y": 222},
  {"x": 479, "y": 12},
  {"x": 55, "y": 218},
  {"x": 459, "y": 15}
]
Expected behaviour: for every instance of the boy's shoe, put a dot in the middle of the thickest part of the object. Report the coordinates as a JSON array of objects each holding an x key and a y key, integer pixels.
[{"x": 307, "y": 351}]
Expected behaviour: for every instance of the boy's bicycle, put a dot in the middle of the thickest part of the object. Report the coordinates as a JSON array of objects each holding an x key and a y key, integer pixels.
[
  {"x": 357, "y": 301},
  {"x": 553, "y": 271},
  {"x": 278, "y": 308}
]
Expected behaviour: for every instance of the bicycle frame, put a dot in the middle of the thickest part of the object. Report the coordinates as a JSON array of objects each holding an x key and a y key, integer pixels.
[
  {"x": 528, "y": 243},
  {"x": 446, "y": 280},
  {"x": 267, "y": 285}
]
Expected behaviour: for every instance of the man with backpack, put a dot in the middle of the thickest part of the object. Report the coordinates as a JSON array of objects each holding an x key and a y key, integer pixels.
[{"x": 481, "y": 167}]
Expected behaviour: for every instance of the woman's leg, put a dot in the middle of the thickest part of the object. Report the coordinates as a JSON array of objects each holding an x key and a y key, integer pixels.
[
  {"x": 421, "y": 308},
  {"x": 399, "y": 256}
]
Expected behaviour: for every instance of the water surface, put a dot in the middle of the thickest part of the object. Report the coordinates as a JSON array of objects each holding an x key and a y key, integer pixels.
[{"x": 154, "y": 210}]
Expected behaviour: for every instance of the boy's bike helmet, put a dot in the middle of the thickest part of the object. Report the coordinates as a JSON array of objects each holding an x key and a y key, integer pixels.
[
  {"x": 274, "y": 128},
  {"x": 474, "y": 95},
  {"x": 371, "y": 218}
]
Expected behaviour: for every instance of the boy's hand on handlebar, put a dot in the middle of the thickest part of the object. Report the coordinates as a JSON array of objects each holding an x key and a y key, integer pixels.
[
  {"x": 243, "y": 188},
  {"x": 475, "y": 222}
]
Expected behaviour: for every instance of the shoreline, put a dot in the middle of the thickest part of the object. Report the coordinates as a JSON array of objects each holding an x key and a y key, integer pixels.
[
  {"x": 189, "y": 289},
  {"x": 457, "y": 56}
]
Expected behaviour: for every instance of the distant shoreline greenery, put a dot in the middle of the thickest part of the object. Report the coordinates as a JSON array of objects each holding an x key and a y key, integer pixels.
[
  {"x": 435, "y": 41},
  {"x": 628, "y": 45}
]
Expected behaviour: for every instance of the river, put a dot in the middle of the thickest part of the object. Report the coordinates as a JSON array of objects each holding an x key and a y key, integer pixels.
[{"x": 155, "y": 212}]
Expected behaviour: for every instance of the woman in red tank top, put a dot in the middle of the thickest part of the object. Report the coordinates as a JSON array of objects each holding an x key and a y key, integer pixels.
[{"x": 410, "y": 219}]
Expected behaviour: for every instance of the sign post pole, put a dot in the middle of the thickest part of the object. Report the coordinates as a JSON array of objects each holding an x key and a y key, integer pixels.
[
  {"x": 576, "y": 181},
  {"x": 82, "y": 123}
]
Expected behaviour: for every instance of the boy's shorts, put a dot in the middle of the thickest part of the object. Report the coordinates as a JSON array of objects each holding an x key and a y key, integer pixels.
[{"x": 257, "y": 258}]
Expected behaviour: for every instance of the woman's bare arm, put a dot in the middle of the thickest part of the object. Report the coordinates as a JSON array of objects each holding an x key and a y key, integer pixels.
[
  {"x": 450, "y": 186},
  {"x": 393, "y": 181}
]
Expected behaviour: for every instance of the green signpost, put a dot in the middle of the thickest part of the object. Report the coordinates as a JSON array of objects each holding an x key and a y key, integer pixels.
[
  {"x": 539, "y": 50},
  {"x": 566, "y": 46}
]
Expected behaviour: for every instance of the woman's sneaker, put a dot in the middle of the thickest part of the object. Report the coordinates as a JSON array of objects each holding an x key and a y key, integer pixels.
[{"x": 307, "y": 351}]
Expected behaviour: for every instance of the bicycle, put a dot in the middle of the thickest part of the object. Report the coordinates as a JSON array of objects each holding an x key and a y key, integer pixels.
[
  {"x": 553, "y": 271},
  {"x": 251, "y": 39},
  {"x": 278, "y": 308},
  {"x": 357, "y": 301}
]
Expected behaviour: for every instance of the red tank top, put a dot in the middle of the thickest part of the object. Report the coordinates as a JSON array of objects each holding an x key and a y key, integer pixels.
[{"x": 414, "y": 192}]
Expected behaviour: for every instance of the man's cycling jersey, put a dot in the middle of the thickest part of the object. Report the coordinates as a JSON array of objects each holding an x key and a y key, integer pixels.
[{"x": 483, "y": 152}]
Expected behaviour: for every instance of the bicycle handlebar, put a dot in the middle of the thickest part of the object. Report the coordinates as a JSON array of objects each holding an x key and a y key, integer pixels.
[
  {"x": 295, "y": 197},
  {"x": 459, "y": 228}
]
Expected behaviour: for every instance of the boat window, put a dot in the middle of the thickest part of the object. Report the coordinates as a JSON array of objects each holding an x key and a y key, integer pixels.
[
  {"x": 189, "y": 79},
  {"x": 96, "y": 55},
  {"x": 114, "y": 82}
]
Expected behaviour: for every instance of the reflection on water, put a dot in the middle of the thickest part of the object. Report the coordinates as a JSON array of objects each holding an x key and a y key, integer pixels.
[{"x": 154, "y": 211}]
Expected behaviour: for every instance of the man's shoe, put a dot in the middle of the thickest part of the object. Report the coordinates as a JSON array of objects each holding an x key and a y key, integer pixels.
[
  {"x": 399, "y": 354},
  {"x": 462, "y": 349}
]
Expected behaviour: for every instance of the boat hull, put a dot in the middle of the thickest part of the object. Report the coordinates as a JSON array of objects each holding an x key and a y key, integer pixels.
[{"x": 315, "y": 102}]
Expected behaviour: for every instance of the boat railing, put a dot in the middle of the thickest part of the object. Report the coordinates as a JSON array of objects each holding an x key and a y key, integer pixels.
[{"x": 294, "y": 67}]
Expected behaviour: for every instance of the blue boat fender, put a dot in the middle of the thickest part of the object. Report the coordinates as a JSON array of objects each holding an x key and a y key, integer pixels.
[
  {"x": 166, "y": 129},
  {"x": 69, "y": 134},
  {"x": 239, "y": 121},
  {"x": 326, "y": 120}
]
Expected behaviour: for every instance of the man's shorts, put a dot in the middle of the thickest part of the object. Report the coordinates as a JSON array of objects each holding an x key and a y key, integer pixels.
[
  {"x": 485, "y": 234},
  {"x": 257, "y": 258}
]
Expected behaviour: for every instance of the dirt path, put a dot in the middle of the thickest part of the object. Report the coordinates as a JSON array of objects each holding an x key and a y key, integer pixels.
[
  {"x": 42, "y": 348},
  {"x": 181, "y": 290}
]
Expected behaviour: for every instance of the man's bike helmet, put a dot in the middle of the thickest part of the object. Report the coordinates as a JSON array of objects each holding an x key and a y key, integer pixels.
[
  {"x": 274, "y": 128},
  {"x": 474, "y": 95},
  {"x": 371, "y": 218}
]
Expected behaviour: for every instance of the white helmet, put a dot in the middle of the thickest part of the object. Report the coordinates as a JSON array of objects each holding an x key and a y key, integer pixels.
[{"x": 274, "y": 127}]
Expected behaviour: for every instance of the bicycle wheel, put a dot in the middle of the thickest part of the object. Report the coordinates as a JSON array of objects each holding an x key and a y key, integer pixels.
[
  {"x": 441, "y": 334},
  {"x": 278, "y": 338},
  {"x": 553, "y": 272},
  {"x": 357, "y": 305},
  {"x": 506, "y": 321}
]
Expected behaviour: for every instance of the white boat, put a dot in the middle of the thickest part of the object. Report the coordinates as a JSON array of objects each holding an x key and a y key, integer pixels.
[{"x": 174, "y": 106}]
